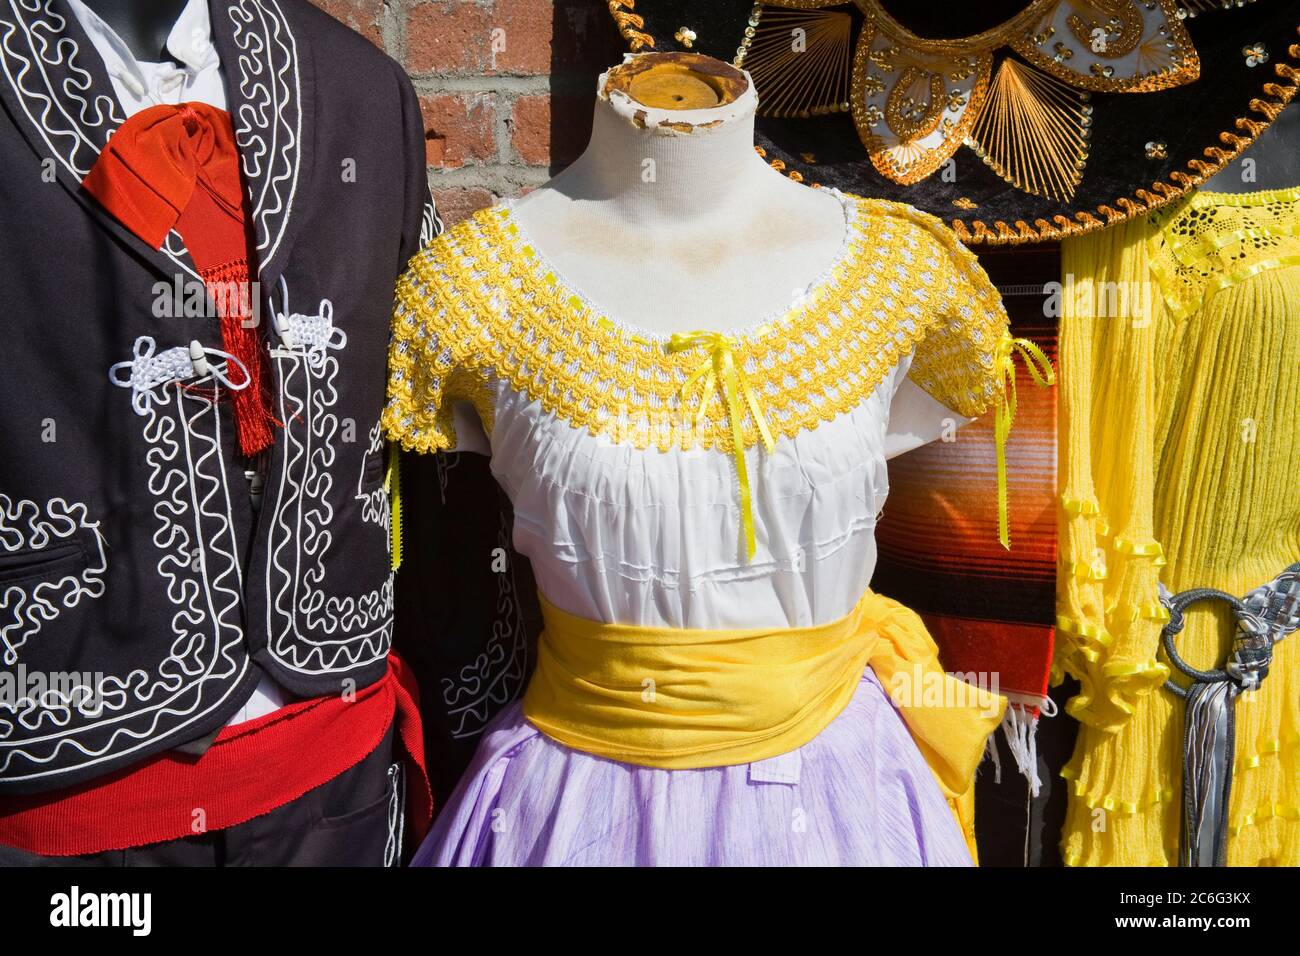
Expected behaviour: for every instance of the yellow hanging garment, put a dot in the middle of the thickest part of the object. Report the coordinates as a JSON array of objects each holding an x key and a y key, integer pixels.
[{"x": 1180, "y": 369}]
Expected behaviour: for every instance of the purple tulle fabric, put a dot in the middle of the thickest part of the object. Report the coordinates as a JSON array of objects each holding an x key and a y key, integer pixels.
[{"x": 860, "y": 793}]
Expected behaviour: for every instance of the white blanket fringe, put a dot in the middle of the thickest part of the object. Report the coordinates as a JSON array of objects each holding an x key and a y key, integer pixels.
[{"x": 1020, "y": 728}]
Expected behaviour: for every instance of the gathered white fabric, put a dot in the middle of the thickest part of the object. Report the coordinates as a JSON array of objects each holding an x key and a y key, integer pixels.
[{"x": 638, "y": 536}]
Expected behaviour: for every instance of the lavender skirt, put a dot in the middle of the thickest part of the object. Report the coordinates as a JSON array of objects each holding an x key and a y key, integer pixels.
[{"x": 860, "y": 793}]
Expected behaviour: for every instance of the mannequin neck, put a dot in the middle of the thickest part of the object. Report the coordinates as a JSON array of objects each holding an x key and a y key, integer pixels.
[
  {"x": 651, "y": 165},
  {"x": 672, "y": 205},
  {"x": 143, "y": 25}
]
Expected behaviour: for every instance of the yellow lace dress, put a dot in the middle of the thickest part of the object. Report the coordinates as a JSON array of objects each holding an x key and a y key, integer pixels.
[{"x": 1180, "y": 430}]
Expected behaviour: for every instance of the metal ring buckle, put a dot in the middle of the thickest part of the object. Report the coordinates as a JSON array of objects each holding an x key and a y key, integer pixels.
[
  {"x": 1264, "y": 617},
  {"x": 1176, "y": 604}
]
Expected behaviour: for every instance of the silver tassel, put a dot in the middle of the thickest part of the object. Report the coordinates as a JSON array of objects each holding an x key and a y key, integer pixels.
[
  {"x": 1208, "y": 756},
  {"x": 1265, "y": 616}
]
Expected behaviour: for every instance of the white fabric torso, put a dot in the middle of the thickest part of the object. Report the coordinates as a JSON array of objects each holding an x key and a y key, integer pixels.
[
  {"x": 196, "y": 77},
  {"x": 648, "y": 218},
  {"x": 646, "y": 222}
]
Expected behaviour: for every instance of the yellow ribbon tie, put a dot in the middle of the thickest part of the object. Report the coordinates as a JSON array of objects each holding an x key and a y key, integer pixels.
[
  {"x": 393, "y": 485},
  {"x": 1040, "y": 368},
  {"x": 720, "y": 368}
]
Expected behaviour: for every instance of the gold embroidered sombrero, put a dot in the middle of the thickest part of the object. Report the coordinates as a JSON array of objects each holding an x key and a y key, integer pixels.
[{"x": 1013, "y": 120}]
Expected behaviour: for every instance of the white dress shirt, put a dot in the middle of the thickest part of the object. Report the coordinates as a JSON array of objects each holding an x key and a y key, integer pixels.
[{"x": 194, "y": 76}]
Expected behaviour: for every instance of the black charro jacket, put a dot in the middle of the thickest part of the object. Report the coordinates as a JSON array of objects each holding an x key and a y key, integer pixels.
[{"x": 141, "y": 594}]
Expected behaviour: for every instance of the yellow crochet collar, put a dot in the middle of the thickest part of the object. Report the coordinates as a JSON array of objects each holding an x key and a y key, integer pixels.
[
  {"x": 498, "y": 308},
  {"x": 479, "y": 308}
]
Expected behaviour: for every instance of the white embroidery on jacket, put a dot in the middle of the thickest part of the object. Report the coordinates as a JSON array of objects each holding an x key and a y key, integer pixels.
[
  {"x": 430, "y": 224},
  {"x": 309, "y": 629},
  {"x": 478, "y": 691},
  {"x": 27, "y": 604},
  {"x": 32, "y": 45},
  {"x": 182, "y": 423},
  {"x": 268, "y": 124},
  {"x": 374, "y": 500},
  {"x": 75, "y": 121}
]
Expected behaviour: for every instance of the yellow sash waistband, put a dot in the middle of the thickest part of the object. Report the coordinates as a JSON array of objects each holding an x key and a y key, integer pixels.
[{"x": 678, "y": 699}]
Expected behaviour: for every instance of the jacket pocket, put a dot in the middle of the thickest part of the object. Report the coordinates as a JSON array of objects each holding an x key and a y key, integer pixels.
[
  {"x": 41, "y": 564},
  {"x": 369, "y": 835}
]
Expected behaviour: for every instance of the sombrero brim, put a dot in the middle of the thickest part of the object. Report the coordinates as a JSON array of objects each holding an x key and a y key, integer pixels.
[{"x": 1144, "y": 148}]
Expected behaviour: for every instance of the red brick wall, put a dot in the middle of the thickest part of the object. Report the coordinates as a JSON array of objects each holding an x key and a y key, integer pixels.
[{"x": 506, "y": 86}]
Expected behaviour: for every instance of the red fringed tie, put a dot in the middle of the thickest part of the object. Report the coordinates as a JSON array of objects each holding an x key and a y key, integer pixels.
[{"x": 177, "y": 167}]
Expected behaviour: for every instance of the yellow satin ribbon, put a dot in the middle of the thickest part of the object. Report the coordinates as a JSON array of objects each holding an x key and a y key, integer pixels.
[
  {"x": 1085, "y": 570},
  {"x": 1149, "y": 549},
  {"x": 1083, "y": 629},
  {"x": 1153, "y": 669},
  {"x": 1145, "y": 611},
  {"x": 1040, "y": 368},
  {"x": 1080, "y": 506},
  {"x": 393, "y": 485},
  {"x": 721, "y": 369}
]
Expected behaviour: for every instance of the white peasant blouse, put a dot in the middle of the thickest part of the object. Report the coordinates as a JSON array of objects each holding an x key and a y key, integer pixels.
[{"x": 628, "y": 507}]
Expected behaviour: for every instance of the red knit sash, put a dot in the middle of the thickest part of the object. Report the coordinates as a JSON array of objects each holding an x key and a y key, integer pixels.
[{"x": 251, "y": 769}]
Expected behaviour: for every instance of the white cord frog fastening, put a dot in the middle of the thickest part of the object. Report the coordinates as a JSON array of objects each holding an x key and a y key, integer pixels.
[
  {"x": 148, "y": 369},
  {"x": 312, "y": 334}
]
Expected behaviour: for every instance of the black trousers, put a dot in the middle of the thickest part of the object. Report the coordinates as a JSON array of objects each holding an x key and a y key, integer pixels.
[{"x": 353, "y": 820}]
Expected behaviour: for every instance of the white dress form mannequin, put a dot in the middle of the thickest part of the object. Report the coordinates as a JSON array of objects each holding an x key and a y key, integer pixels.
[{"x": 670, "y": 221}]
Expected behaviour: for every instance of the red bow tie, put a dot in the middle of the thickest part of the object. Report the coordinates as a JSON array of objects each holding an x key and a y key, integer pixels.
[{"x": 177, "y": 167}]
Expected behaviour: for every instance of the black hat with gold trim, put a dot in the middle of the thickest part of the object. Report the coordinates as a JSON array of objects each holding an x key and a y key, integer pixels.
[{"x": 1073, "y": 114}]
